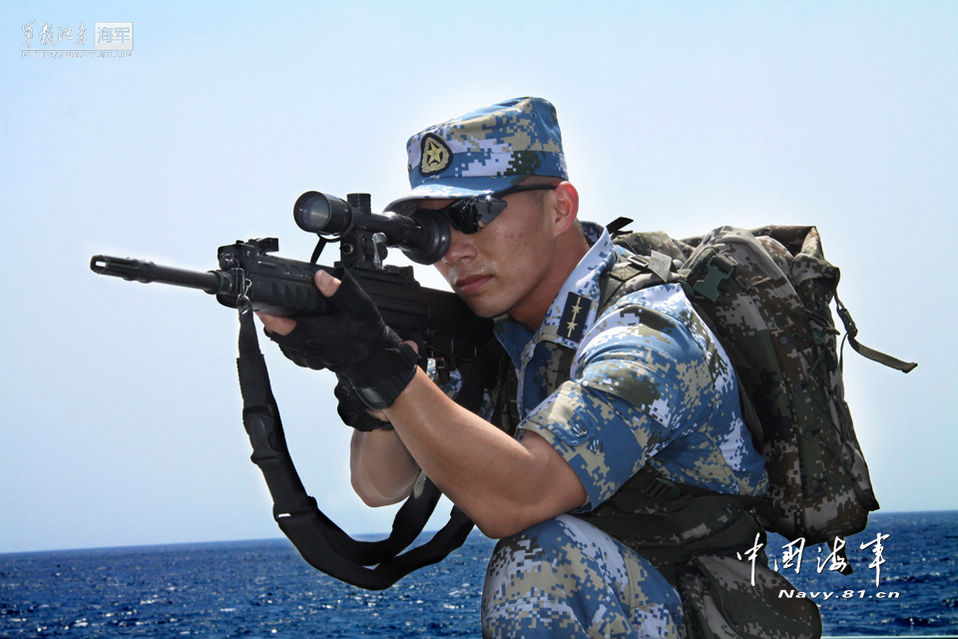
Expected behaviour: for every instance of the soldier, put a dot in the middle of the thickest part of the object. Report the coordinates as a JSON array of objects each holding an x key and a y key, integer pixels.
[{"x": 599, "y": 401}]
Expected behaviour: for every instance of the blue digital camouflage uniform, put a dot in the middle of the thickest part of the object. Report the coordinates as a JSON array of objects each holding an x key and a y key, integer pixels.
[
  {"x": 644, "y": 384},
  {"x": 483, "y": 151},
  {"x": 648, "y": 384}
]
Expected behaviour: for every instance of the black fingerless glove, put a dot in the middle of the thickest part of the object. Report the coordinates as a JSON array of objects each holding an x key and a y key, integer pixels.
[
  {"x": 353, "y": 341},
  {"x": 353, "y": 411}
]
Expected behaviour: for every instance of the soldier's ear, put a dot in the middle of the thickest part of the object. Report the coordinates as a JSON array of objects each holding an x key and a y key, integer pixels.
[{"x": 566, "y": 208}]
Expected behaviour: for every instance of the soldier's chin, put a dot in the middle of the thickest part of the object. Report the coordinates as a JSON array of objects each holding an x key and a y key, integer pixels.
[{"x": 482, "y": 308}]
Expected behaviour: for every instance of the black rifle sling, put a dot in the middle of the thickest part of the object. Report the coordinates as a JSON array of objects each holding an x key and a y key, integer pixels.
[{"x": 321, "y": 542}]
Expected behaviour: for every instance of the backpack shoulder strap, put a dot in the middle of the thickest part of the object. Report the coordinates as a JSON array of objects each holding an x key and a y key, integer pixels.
[{"x": 633, "y": 273}]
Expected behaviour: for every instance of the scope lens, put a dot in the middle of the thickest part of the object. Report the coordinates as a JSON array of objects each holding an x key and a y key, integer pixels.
[
  {"x": 319, "y": 213},
  {"x": 312, "y": 212}
]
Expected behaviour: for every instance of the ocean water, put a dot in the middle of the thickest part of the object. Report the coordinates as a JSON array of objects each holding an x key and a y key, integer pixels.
[{"x": 264, "y": 589}]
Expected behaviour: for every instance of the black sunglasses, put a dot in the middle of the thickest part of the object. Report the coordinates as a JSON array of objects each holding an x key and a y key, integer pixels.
[{"x": 470, "y": 214}]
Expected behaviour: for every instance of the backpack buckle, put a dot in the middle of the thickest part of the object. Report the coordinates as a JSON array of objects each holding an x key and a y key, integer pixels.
[
  {"x": 662, "y": 489},
  {"x": 708, "y": 286},
  {"x": 657, "y": 263}
]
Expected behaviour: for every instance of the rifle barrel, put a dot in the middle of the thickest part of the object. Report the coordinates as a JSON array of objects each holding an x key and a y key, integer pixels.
[{"x": 140, "y": 271}]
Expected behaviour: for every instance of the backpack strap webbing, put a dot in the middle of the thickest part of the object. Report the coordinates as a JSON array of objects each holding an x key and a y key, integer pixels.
[
  {"x": 851, "y": 332},
  {"x": 654, "y": 269}
]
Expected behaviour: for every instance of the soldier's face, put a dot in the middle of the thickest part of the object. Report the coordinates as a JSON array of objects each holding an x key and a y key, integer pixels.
[{"x": 499, "y": 268}]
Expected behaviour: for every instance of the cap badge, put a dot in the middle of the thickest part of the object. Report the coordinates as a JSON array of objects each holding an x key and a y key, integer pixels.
[{"x": 436, "y": 155}]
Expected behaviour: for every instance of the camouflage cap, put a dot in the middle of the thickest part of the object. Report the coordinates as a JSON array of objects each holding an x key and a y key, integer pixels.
[{"x": 484, "y": 151}]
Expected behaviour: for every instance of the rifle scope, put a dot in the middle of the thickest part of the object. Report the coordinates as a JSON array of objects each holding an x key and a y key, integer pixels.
[{"x": 424, "y": 238}]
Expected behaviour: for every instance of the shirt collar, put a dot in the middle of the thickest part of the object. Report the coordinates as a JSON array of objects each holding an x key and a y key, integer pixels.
[{"x": 573, "y": 310}]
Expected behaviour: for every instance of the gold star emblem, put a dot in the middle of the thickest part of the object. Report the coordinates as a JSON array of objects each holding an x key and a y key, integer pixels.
[
  {"x": 436, "y": 156},
  {"x": 571, "y": 324},
  {"x": 576, "y": 308}
]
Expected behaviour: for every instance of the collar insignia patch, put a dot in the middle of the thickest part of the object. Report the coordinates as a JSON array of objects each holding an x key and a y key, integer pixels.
[
  {"x": 572, "y": 323},
  {"x": 436, "y": 155}
]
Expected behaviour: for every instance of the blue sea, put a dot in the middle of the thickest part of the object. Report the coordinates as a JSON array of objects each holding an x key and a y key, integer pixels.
[{"x": 264, "y": 589}]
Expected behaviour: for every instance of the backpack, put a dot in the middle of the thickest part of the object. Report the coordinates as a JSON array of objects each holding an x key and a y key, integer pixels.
[{"x": 766, "y": 295}]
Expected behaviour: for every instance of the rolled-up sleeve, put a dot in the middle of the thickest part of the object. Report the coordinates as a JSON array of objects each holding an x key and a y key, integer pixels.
[{"x": 640, "y": 379}]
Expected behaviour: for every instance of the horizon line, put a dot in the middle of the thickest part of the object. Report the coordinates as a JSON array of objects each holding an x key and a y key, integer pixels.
[{"x": 373, "y": 535}]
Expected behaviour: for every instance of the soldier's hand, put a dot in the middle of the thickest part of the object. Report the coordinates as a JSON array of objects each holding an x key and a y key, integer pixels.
[{"x": 351, "y": 340}]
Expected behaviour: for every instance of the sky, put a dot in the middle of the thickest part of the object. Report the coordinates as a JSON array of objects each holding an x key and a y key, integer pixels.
[{"x": 119, "y": 407}]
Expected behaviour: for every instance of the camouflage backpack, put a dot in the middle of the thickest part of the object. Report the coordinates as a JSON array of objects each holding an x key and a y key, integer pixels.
[{"x": 766, "y": 295}]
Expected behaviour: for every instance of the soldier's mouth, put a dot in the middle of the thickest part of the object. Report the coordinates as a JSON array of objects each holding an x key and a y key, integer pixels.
[{"x": 471, "y": 284}]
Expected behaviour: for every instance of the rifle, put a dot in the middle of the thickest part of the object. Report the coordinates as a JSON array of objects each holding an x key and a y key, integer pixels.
[{"x": 250, "y": 277}]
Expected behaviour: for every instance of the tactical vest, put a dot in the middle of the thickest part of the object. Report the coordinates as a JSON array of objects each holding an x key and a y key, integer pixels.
[
  {"x": 691, "y": 535},
  {"x": 646, "y": 493}
]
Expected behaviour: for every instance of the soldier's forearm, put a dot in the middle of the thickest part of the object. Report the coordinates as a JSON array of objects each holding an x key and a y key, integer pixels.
[
  {"x": 382, "y": 471},
  {"x": 502, "y": 484}
]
